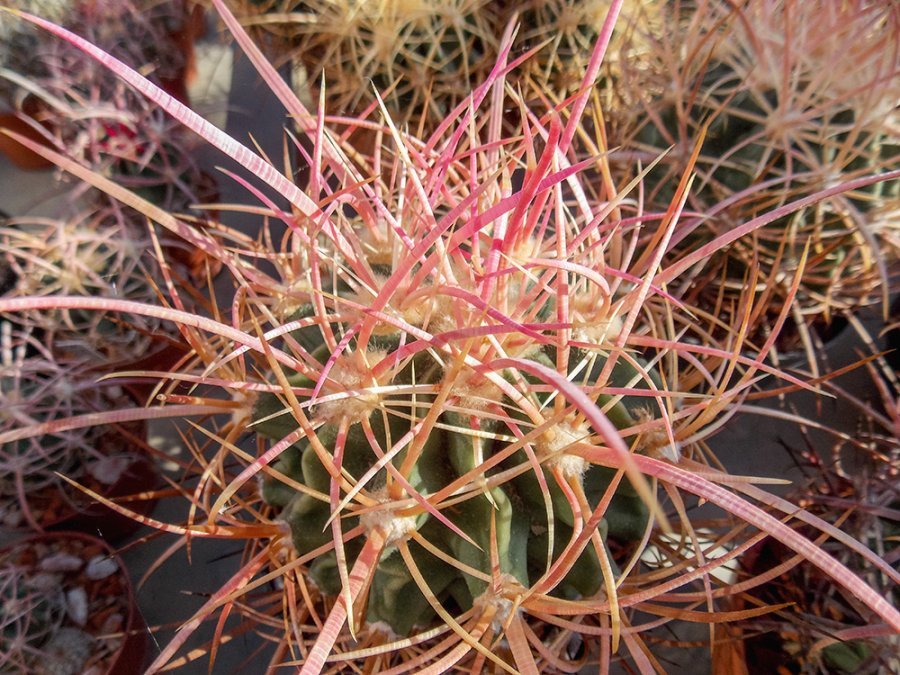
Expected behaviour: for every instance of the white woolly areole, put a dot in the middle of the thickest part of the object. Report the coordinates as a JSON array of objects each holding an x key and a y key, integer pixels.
[
  {"x": 293, "y": 297},
  {"x": 597, "y": 332},
  {"x": 553, "y": 443},
  {"x": 382, "y": 628},
  {"x": 502, "y": 605},
  {"x": 656, "y": 442},
  {"x": 245, "y": 401},
  {"x": 392, "y": 528},
  {"x": 475, "y": 392},
  {"x": 353, "y": 374}
]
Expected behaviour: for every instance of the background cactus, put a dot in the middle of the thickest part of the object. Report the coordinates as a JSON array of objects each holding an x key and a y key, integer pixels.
[
  {"x": 422, "y": 56},
  {"x": 139, "y": 32},
  {"x": 425, "y": 51},
  {"x": 850, "y": 480},
  {"x": 792, "y": 98},
  {"x": 96, "y": 253},
  {"x": 31, "y": 611},
  {"x": 37, "y": 389}
]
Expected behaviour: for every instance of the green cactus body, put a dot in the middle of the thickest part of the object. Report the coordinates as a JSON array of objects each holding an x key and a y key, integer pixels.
[{"x": 516, "y": 509}]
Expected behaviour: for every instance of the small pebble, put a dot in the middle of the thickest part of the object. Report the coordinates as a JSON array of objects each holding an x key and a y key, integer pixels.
[
  {"x": 44, "y": 581},
  {"x": 61, "y": 562},
  {"x": 100, "y": 567},
  {"x": 77, "y": 605}
]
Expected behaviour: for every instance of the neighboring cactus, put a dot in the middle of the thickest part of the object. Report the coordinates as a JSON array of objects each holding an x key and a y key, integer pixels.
[
  {"x": 851, "y": 482},
  {"x": 93, "y": 253},
  {"x": 141, "y": 32},
  {"x": 423, "y": 56},
  {"x": 35, "y": 389},
  {"x": 432, "y": 50},
  {"x": 793, "y": 98},
  {"x": 570, "y": 27},
  {"x": 771, "y": 110},
  {"x": 18, "y": 39},
  {"x": 91, "y": 117},
  {"x": 32, "y": 610}
]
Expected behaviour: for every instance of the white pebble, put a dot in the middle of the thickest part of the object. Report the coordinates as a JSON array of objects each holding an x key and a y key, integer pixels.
[
  {"x": 77, "y": 605},
  {"x": 100, "y": 567},
  {"x": 61, "y": 562}
]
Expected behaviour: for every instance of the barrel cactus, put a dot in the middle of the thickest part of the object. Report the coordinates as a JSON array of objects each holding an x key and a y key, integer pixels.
[
  {"x": 441, "y": 424},
  {"x": 791, "y": 98},
  {"x": 424, "y": 55},
  {"x": 424, "y": 51}
]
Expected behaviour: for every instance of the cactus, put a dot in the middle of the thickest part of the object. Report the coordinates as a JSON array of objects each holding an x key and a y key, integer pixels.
[
  {"x": 850, "y": 480},
  {"x": 94, "y": 253},
  {"x": 771, "y": 110},
  {"x": 781, "y": 119},
  {"x": 31, "y": 611},
  {"x": 429, "y": 50},
  {"x": 570, "y": 27},
  {"x": 137, "y": 31},
  {"x": 459, "y": 441},
  {"x": 38, "y": 389},
  {"x": 423, "y": 55}
]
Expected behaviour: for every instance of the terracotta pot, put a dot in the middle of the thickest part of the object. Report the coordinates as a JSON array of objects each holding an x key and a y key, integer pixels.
[
  {"x": 18, "y": 154},
  {"x": 110, "y": 602}
]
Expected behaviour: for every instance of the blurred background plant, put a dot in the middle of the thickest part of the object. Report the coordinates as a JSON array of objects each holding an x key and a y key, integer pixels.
[
  {"x": 65, "y": 608},
  {"x": 31, "y": 611},
  {"x": 96, "y": 245},
  {"x": 93, "y": 253},
  {"x": 424, "y": 56},
  {"x": 147, "y": 34},
  {"x": 76, "y": 107},
  {"x": 53, "y": 91}
]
